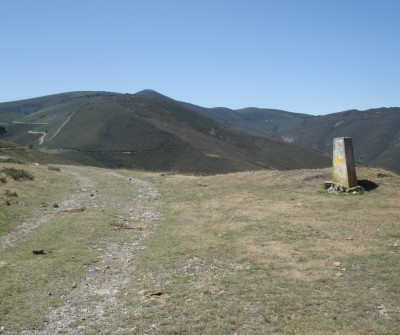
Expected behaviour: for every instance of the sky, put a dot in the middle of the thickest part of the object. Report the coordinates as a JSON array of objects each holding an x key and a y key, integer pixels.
[{"x": 304, "y": 56}]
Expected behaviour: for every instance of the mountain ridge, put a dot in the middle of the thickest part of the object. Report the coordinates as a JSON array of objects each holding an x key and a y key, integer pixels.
[
  {"x": 142, "y": 132},
  {"x": 374, "y": 134}
]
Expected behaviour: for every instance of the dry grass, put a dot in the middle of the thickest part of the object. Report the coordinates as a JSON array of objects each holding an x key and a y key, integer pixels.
[
  {"x": 254, "y": 253},
  {"x": 265, "y": 244}
]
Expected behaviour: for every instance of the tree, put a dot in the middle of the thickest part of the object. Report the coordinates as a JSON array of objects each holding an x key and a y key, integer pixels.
[{"x": 2, "y": 131}]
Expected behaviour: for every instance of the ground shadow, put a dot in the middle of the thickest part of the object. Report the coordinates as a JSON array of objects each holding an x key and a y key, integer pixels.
[{"x": 367, "y": 184}]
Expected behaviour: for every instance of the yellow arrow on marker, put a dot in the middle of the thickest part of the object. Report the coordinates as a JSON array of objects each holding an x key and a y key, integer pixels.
[{"x": 337, "y": 161}]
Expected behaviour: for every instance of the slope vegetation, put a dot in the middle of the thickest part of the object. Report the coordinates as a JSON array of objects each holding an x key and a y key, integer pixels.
[
  {"x": 375, "y": 132},
  {"x": 28, "y": 120},
  {"x": 12, "y": 152},
  {"x": 147, "y": 133}
]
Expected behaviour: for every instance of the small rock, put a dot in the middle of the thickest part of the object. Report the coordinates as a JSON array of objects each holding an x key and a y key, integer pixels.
[
  {"x": 337, "y": 264},
  {"x": 36, "y": 164},
  {"x": 339, "y": 274},
  {"x": 55, "y": 205},
  {"x": 382, "y": 311}
]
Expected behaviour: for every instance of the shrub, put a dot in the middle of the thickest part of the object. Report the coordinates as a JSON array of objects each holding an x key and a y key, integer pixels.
[
  {"x": 11, "y": 194},
  {"x": 53, "y": 168},
  {"x": 11, "y": 160},
  {"x": 3, "y": 180},
  {"x": 17, "y": 174}
]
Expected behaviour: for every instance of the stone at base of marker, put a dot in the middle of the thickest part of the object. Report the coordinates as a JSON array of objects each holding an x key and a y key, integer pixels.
[{"x": 340, "y": 189}]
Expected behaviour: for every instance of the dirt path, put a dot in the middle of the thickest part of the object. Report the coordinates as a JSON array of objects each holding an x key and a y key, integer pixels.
[
  {"x": 35, "y": 123},
  {"x": 93, "y": 302},
  {"x": 64, "y": 123},
  {"x": 41, "y": 139}
]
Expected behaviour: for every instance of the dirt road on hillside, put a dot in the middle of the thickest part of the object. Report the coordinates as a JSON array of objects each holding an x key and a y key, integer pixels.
[{"x": 93, "y": 301}]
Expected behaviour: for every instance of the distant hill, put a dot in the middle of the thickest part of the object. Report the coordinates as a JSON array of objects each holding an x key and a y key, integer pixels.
[
  {"x": 375, "y": 132},
  {"x": 154, "y": 133}
]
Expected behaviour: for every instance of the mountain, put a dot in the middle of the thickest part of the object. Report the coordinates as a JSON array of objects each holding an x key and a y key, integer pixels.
[
  {"x": 148, "y": 132},
  {"x": 375, "y": 132}
]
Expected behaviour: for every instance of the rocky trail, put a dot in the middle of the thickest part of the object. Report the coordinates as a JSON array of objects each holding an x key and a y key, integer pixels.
[{"x": 93, "y": 301}]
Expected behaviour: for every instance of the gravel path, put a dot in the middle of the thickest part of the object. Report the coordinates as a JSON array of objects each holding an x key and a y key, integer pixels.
[{"x": 93, "y": 303}]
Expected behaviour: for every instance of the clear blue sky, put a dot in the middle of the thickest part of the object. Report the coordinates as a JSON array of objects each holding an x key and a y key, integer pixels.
[{"x": 305, "y": 56}]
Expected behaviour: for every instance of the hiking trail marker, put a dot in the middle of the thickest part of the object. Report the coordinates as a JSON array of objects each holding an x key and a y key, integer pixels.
[{"x": 344, "y": 169}]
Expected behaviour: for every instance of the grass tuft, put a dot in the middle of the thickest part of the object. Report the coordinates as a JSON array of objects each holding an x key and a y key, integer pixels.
[
  {"x": 53, "y": 168},
  {"x": 17, "y": 174},
  {"x": 11, "y": 160},
  {"x": 11, "y": 194}
]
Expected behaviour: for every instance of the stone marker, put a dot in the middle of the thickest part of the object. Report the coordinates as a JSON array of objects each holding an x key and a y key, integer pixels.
[{"x": 344, "y": 170}]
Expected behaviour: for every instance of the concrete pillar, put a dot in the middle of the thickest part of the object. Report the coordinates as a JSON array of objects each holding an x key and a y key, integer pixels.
[{"x": 344, "y": 169}]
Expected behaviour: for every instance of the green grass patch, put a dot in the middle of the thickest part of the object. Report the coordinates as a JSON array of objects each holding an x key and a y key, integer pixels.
[
  {"x": 32, "y": 283},
  {"x": 17, "y": 174}
]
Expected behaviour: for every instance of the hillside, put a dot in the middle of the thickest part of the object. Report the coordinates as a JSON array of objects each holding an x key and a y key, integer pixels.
[
  {"x": 375, "y": 132},
  {"x": 150, "y": 133},
  {"x": 130, "y": 252},
  {"x": 260, "y": 121},
  {"x": 27, "y": 120},
  {"x": 12, "y": 152}
]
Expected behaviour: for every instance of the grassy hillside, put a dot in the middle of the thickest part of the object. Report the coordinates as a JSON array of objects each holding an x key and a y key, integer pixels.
[
  {"x": 375, "y": 132},
  {"x": 41, "y": 122},
  {"x": 12, "y": 152},
  {"x": 146, "y": 133},
  {"x": 256, "y": 120},
  {"x": 27, "y": 121},
  {"x": 266, "y": 252},
  {"x": 18, "y": 110}
]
